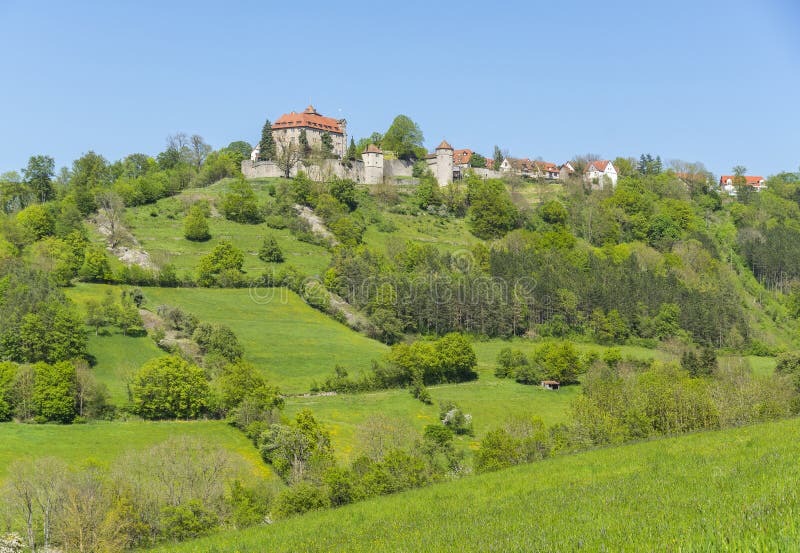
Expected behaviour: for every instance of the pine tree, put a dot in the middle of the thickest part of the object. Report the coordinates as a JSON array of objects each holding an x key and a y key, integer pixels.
[
  {"x": 195, "y": 227},
  {"x": 327, "y": 143},
  {"x": 267, "y": 143},
  {"x": 498, "y": 158},
  {"x": 270, "y": 251},
  {"x": 351, "y": 150},
  {"x": 305, "y": 148}
]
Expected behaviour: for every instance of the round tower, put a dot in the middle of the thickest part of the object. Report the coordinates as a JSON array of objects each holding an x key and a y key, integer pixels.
[
  {"x": 444, "y": 163},
  {"x": 373, "y": 164}
]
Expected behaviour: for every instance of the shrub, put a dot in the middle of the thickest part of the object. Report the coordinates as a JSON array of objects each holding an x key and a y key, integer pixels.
[
  {"x": 299, "y": 499},
  {"x": 240, "y": 204},
  {"x": 224, "y": 257},
  {"x": 195, "y": 227}
]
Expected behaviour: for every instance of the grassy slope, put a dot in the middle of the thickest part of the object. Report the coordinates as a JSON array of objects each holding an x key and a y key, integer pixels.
[
  {"x": 162, "y": 235},
  {"x": 117, "y": 358},
  {"x": 291, "y": 343},
  {"x": 103, "y": 442},
  {"x": 731, "y": 490}
]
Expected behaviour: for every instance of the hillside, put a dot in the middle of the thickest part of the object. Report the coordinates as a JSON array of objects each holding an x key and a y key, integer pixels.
[{"x": 712, "y": 491}]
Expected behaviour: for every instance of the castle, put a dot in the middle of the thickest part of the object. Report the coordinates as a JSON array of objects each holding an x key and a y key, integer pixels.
[
  {"x": 290, "y": 125},
  {"x": 373, "y": 168}
]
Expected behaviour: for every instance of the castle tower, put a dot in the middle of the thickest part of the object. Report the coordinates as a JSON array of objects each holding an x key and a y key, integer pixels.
[
  {"x": 444, "y": 163},
  {"x": 373, "y": 164}
]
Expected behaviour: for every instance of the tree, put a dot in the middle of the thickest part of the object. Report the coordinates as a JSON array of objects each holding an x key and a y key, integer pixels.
[
  {"x": 270, "y": 250},
  {"x": 352, "y": 151},
  {"x": 240, "y": 204},
  {"x": 195, "y": 227},
  {"x": 405, "y": 138},
  {"x": 95, "y": 266},
  {"x": 267, "y": 144},
  {"x": 37, "y": 221},
  {"x": 218, "y": 339},
  {"x": 54, "y": 392},
  {"x": 492, "y": 213},
  {"x": 302, "y": 140},
  {"x": 327, "y": 144},
  {"x": 288, "y": 155},
  {"x": 344, "y": 190},
  {"x": 168, "y": 388},
  {"x": 298, "y": 447},
  {"x": 39, "y": 177},
  {"x": 200, "y": 150},
  {"x": 8, "y": 375},
  {"x": 477, "y": 160},
  {"x": 240, "y": 149},
  {"x": 89, "y": 174},
  {"x": 498, "y": 157},
  {"x": 112, "y": 209}
]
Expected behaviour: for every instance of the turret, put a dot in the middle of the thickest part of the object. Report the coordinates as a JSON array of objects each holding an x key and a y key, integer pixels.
[
  {"x": 373, "y": 164},
  {"x": 444, "y": 163}
]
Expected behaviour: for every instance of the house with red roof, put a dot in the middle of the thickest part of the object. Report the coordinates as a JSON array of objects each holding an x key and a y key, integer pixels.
[
  {"x": 530, "y": 168},
  {"x": 599, "y": 172},
  {"x": 462, "y": 157},
  {"x": 726, "y": 183}
]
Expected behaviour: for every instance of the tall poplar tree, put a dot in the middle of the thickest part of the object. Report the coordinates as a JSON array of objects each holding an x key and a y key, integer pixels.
[{"x": 267, "y": 143}]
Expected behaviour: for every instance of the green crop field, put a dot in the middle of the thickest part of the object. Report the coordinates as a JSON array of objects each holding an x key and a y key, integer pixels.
[
  {"x": 731, "y": 490},
  {"x": 291, "y": 343},
  {"x": 103, "y": 442},
  {"x": 117, "y": 358}
]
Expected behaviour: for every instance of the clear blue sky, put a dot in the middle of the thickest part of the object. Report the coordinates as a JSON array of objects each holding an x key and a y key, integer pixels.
[{"x": 710, "y": 80}]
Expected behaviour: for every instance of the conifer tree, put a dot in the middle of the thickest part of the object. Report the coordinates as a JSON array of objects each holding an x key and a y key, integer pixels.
[
  {"x": 327, "y": 143},
  {"x": 305, "y": 148},
  {"x": 352, "y": 152},
  {"x": 267, "y": 143},
  {"x": 498, "y": 158},
  {"x": 270, "y": 251}
]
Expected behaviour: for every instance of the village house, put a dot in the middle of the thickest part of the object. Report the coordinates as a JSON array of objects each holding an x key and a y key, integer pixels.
[
  {"x": 600, "y": 172},
  {"x": 565, "y": 171},
  {"x": 287, "y": 128},
  {"x": 726, "y": 183},
  {"x": 462, "y": 158},
  {"x": 530, "y": 168}
]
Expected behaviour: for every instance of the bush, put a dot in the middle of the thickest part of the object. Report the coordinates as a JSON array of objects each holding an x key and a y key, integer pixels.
[
  {"x": 195, "y": 227},
  {"x": 224, "y": 257},
  {"x": 240, "y": 204},
  {"x": 187, "y": 521},
  {"x": 299, "y": 499},
  {"x": 218, "y": 339}
]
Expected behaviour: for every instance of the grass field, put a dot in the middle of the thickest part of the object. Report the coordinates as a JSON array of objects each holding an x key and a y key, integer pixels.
[
  {"x": 103, "y": 442},
  {"x": 490, "y": 401},
  {"x": 732, "y": 490},
  {"x": 159, "y": 230},
  {"x": 291, "y": 343},
  {"x": 117, "y": 358}
]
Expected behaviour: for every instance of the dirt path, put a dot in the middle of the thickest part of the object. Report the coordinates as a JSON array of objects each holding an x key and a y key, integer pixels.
[{"x": 317, "y": 224}]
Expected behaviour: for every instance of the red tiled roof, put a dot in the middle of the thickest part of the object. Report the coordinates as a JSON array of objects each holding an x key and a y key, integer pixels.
[
  {"x": 551, "y": 382},
  {"x": 752, "y": 181},
  {"x": 599, "y": 164},
  {"x": 308, "y": 119},
  {"x": 546, "y": 166},
  {"x": 462, "y": 157},
  {"x": 372, "y": 148},
  {"x": 489, "y": 163},
  {"x": 444, "y": 146}
]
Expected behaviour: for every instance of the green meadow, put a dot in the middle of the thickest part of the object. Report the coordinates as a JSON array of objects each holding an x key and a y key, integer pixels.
[
  {"x": 103, "y": 442},
  {"x": 730, "y": 490},
  {"x": 159, "y": 230},
  {"x": 291, "y": 343}
]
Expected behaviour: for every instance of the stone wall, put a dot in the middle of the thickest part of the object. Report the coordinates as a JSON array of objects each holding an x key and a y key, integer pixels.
[{"x": 321, "y": 172}]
